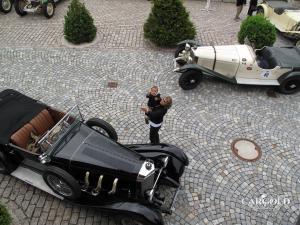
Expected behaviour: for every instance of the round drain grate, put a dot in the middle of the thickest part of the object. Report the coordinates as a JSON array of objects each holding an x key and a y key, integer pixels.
[{"x": 246, "y": 150}]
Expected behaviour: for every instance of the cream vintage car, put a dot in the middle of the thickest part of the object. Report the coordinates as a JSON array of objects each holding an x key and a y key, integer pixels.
[
  {"x": 284, "y": 16},
  {"x": 240, "y": 64}
]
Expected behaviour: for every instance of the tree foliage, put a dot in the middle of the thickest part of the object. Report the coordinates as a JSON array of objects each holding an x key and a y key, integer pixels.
[
  {"x": 258, "y": 30},
  {"x": 79, "y": 25},
  {"x": 168, "y": 23},
  {"x": 5, "y": 218}
]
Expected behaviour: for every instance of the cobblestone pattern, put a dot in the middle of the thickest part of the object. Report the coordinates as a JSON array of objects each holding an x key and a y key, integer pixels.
[
  {"x": 117, "y": 28},
  {"x": 217, "y": 186}
]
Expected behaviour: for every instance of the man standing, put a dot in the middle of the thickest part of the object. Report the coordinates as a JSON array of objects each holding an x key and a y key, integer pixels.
[
  {"x": 156, "y": 116},
  {"x": 239, "y": 8},
  {"x": 252, "y": 7}
]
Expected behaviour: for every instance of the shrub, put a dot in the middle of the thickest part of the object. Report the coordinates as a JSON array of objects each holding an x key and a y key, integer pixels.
[
  {"x": 168, "y": 23},
  {"x": 258, "y": 30},
  {"x": 5, "y": 218},
  {"x": 79, "y": 25}
]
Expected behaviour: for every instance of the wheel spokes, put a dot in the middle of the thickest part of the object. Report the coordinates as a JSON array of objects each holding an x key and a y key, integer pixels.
[{"x": 6, "y": 5}]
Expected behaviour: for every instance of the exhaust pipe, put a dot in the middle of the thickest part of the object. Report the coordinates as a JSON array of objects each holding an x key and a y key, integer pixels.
[
  {"x": 114, "y": 187},
  {"x": 96, "y": 190}
]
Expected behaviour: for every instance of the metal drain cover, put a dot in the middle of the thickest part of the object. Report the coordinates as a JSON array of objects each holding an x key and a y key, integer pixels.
[{"x": 246, "y": 149}]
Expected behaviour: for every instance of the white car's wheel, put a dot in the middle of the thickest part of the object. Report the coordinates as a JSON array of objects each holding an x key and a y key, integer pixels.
[
  {"x": 190, "y": 79},
  {"x": 290, "y": 85}
]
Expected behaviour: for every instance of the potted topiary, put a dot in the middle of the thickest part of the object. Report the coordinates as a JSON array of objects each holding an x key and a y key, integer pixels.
[
  {"x": 79, "y": 25},
  {"x": 168, "y": 23},
  {"x": 5, "y": 218},
  {"x": 258, "y": 30}
]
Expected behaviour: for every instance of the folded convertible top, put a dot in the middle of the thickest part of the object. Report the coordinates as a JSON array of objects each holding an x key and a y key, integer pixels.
[{"x": 16, "y": 110}]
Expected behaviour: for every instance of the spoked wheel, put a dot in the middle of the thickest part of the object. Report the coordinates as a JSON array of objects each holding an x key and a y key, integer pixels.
[
  {"x": 190, "y": 79},
  {"x": 5, "y": 6},
  {"x": 62, "y": 183},
  {"x": 290, "y": 85},
  {"x": 19, "y": 7},
  {"x": 130, "y": 221},
  {"x": 179, "y": 50},
  {"x": 102, "y": 127},
  {"x": 48, "y": 9}
]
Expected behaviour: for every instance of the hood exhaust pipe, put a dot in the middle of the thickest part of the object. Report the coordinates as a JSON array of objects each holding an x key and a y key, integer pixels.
[
  {"x": 96, "y": 190},
  {"x": 114, "y": 187},
  {"x": 86, "y": 181}
]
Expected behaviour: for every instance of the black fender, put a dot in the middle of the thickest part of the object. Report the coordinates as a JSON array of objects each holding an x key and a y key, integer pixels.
[
  {"x": 287, "y": 75},
  {"x": 198, "y": 68},
  {"x": 133, "y": 209},
  {"x": 190, "y": 42},
  {"x": 178, "y": 160},
  {"x": 205, "y": 71}
]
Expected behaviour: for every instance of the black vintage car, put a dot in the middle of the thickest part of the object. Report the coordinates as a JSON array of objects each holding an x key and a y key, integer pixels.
[{"x": 80, "y": 161}]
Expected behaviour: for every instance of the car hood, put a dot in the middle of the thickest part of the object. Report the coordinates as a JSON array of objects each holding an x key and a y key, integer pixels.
[
  {"x": 231, "y": 54},
  {"x": 93, "y": 151}
]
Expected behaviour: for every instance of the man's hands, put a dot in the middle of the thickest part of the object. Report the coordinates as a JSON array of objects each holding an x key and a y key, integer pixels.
[{"x": 145, "y": 109}]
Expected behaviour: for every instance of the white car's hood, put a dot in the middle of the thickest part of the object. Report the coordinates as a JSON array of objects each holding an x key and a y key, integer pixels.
[{"x": 294, "y": 15}]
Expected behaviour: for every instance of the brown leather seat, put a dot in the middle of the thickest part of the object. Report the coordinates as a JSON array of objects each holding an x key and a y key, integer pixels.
[
  {"x": 22, "y": 136},
  {"x": 42, "y": 122}
]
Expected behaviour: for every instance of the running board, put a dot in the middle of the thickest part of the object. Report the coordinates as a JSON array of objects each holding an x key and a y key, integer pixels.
[
  {"x": 257, "y": 82},
  {"x": 33, "y": 178}
]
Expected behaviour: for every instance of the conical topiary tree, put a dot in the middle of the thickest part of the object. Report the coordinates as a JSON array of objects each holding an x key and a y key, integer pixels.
[
  {"x": 168, "y": 23},
  {"x": 79, "y": 25}
]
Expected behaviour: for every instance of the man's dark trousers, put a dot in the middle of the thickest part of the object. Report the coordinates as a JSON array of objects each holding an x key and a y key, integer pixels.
[{"x": 154, "y": 136}]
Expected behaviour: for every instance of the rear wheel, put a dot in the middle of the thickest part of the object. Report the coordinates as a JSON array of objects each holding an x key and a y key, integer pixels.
[
  {"x": 290, "y": 85},
  {"x": 48, "y": 9},
  {"x": 5, "y": 6},
  {"x": 19, "y": 7},
  {"x": 62, "y": 182},
  {"x": 102, "y": 127},
  {"x": 190, "y": 79}
]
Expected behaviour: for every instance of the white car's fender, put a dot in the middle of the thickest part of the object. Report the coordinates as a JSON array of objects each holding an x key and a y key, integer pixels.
[{"x": 265, "y": 8}]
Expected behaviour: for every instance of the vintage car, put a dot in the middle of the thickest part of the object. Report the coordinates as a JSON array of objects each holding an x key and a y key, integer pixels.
[
  {"x": 47, "y": 7},
  {"x": 284, "y": 16},
  {"x": 240, "y": 64},
  {"x": 80, "y": 161},
  {"x": 5, "y": 6}
]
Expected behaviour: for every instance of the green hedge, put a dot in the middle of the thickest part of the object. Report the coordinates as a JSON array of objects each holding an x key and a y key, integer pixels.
[
  {"x": 79, "y": 25},
  {"x": 168, "y": 23},
  {"x": 258, "y": 30},
  {"x": 5, "y": 218}
]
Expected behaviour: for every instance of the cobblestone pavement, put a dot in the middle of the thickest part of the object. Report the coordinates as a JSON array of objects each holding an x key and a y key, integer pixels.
[
  {"x": 35, "y": 30},
  {"x": 218, "y": 188}
]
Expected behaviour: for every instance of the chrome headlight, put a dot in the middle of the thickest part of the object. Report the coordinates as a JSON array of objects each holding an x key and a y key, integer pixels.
[{"x": 146, "y": 176}]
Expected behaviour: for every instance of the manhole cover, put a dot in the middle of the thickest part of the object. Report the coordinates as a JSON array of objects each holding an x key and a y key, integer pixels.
[{"x": 246, "y": 150}]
